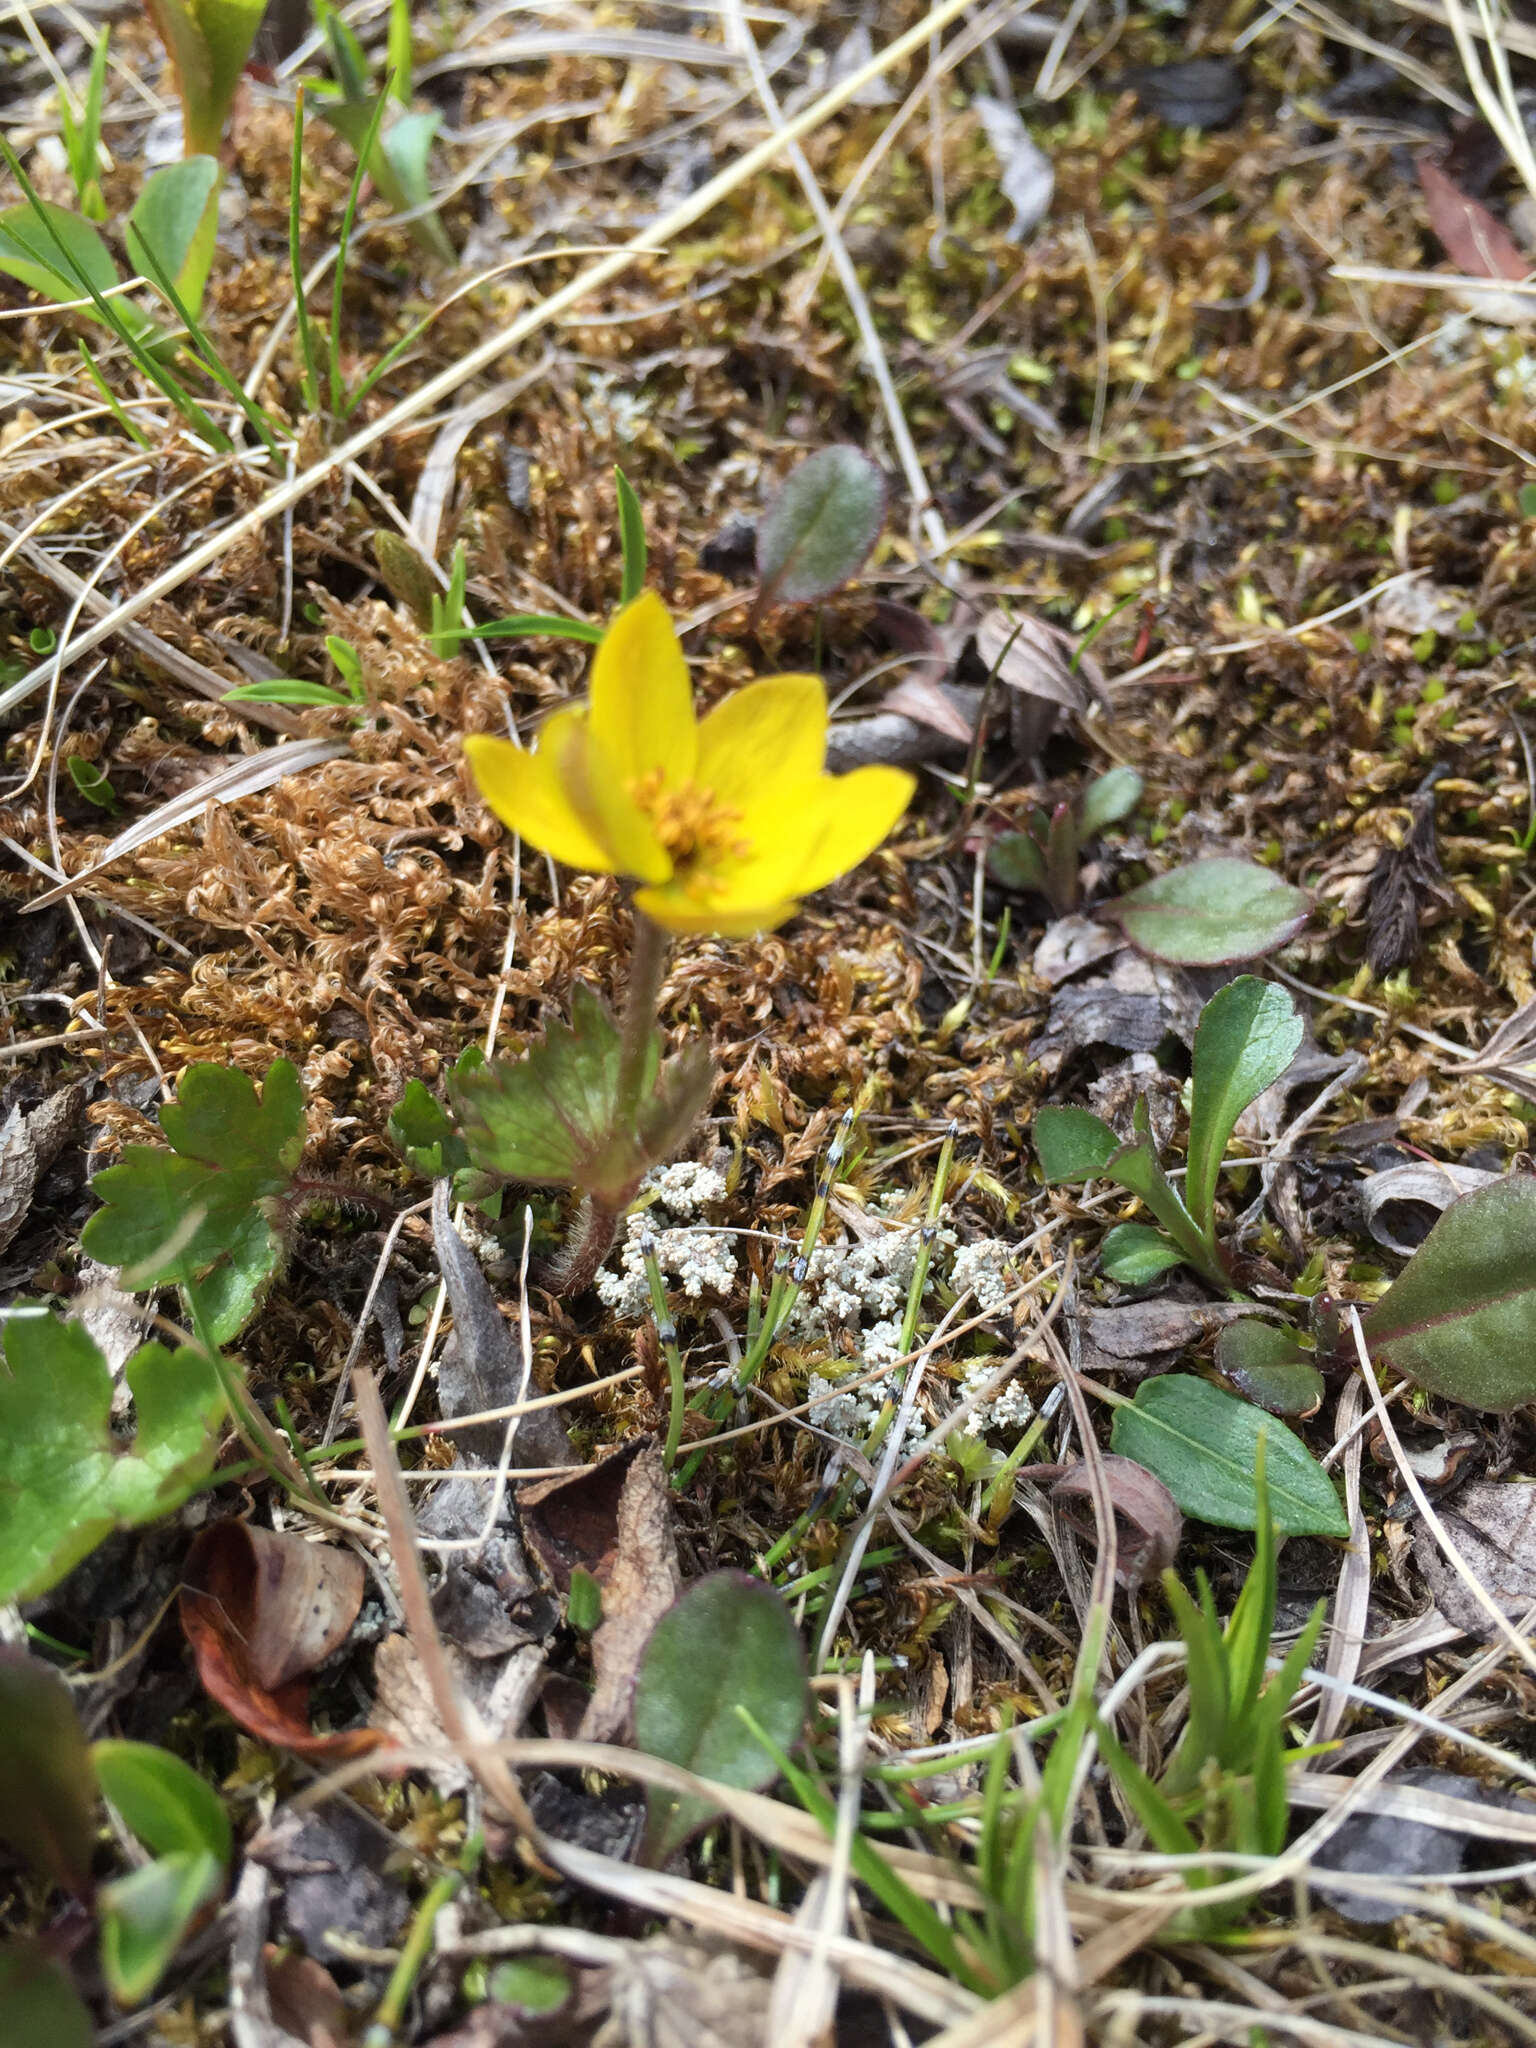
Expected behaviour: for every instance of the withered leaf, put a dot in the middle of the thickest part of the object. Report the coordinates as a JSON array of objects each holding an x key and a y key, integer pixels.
[
  {"x": 642, "y": 1585},
  {"x": 574, "y": 1521},
  {"x": 29, "y": 1143},
  {"x": 1149, "y": 1526},
  {"x": 1494, "y": 1528}
]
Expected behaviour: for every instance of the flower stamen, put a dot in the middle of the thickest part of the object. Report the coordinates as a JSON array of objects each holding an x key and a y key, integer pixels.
[{"x": 696, "y": 829}]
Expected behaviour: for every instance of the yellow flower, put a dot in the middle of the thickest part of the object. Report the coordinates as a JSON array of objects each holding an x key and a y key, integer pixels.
[{"x": 725, "y": 822}]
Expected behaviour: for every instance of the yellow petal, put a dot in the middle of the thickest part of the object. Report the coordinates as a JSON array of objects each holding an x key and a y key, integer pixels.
[
  {"x": 524, "y": 788},
  {"x": 597, "y": 795},
  {"x": 642, "y": 700},
  {"x": 857, "y": 811},
  {"x": 767, "y": 736},
  {"x": 676, "y": 911}
]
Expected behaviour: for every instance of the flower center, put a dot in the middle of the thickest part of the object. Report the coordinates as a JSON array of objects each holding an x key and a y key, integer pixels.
[{"x": 697, "y": 830}]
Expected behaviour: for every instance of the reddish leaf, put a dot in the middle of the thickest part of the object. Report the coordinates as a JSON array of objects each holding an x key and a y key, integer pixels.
[
  {"x": 220, "y": 1613},
  {"x": 1475, "y": 242}
]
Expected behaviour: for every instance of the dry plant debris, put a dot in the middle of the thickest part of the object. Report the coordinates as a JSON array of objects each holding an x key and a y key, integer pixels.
[{"x": 1193, "y": 347}]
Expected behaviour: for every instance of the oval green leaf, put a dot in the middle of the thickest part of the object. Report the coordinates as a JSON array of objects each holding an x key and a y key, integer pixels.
[
  {"x": 1211, "y": 912},
  {"x": 729, "y": 1642},
  {"x": 1107, "y": 799},
  {"x": 1134, "y": 1254},
  {"x": 162, "y": 1800},
  {"x": 821, "y": 527},
  {"x": 1202, "y": 1444},
  {"x": 1073, "y": 1144},
  {"x": 1461, "y": 1318},
  {"x": 1268, "y": 1367},
  {"x": 1246, "y": 1038},
  {"x": 37, "y": 2000},
  {"x": 47, "y": 1792}
]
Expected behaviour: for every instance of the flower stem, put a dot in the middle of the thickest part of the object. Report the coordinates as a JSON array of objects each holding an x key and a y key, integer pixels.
[{"x": 648, "y": 959}]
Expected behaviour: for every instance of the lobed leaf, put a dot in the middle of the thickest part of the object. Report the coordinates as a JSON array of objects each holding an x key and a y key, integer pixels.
[
  {"x": 821, "y": 526},
  {"x": 68, "y": 1481},
  {"x": 1211, "y": 912},
  {"x": 1202, "y": 1444}
]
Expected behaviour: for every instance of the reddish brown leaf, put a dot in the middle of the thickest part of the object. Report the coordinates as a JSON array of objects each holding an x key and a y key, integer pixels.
[
  {"x": 220, "y": 1615},
  {"x": 574, "y": 1521},
  {"x": 1475, "y": 242},
  {"x": 643, "y": 1584},
  {"x": 1149, "y": 1523},
  {"x": 305, "y": 2000}
]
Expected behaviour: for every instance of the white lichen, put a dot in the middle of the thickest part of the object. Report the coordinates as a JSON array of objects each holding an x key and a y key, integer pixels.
[
  {"x": 985, "y": 1270},
  {"x": 1009, "y": 1408},
  {"x": 694, "y": 1259}
]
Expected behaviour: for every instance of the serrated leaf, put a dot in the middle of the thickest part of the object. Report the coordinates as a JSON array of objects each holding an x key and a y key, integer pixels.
[
  {"x": 1461, "y": 1318},
  {"x": 554, "y": 1116},
  {"x": 1016, "y": 862},
  {"x": 1268, "y": 1367},
  {"x": 1107, "y": 799},
  {"x": 1073, "y": 1144},
  {"x": 163, "y": 1801},
  {"x": 1134, "y": 1254},
  {"x": 729, "y": 1641},
  {"x": 219, "y": 1118},
  {"x": 1247, "y": 1036},
  {"x": 47, "y": 1789},
  {"x": 821, "y": 527},
  {"x": 194, "y": 1213},
  {"x": 1211, "y": 912},
  {"x": 67, "y": 1480},
  {"x": 1202, "y": 1444},
  {"x": 145, "y": 1915},
  {"x": 37, "y": 2001}
]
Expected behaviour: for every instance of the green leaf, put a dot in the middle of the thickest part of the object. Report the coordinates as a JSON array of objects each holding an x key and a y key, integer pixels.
[
  {"x": 170, "y": 1217},
  {"x": 1268, "y": 1367},
  {"x": 208, "y": 42},
  {"x": 821, "y": 527},
  {"x": 1202, "y": 1443},
  {"x": 163, "y": 1801},
  {"x": 1134, "y": 1255},
  {"x": 47, "y": 1788},
  {"x": 68, "y": 1481},
  {"x": 1246, "y": 1038},
  {"x": 406, "y": 576},
  {"x": 1211, "y": 912},
  {"x": 145, "y": 1915},
  {"x": 1461, "y": 1318},
  {"x": 285, "y": 690},
  {"x": 1016, "y": 862},
  {"x": 37, "y": 2001},
  {"x": 1108, "y": 799},
  {"x": 729, "y": 1641},
  {"x": 631, "y": 539},
  {"x": 30, "y": 254},
  {"x": 396, "y": 159},
  {"x": 1073, "y": 1144},
  {"x": 536, "y": 1985},
  {"x": 554, "y": 1116},
  {"x": 168, "y": 230},
  {"x": 91, "y": 783},
  {"x": 531, "y": 625},
  {"x": 1135, "y": 1167}
]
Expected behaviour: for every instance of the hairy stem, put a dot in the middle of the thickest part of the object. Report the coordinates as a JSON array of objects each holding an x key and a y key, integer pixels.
[{"x": 648, "y": 959}]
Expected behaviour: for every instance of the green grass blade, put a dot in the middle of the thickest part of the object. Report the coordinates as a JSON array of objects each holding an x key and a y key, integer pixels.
[
  {"x": 524, "y": 625},
  {"x": 631, "y": 540},
  {"x": 110, "y": 398},
  {"x": 339, "y": 403},
  {"x": 307, "y": 348}
]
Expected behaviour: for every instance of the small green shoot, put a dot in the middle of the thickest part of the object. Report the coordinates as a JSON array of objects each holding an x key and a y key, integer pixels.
[
  {"x": 1047, "y": 855},
  {"x": 91, "y": 783},
  {"x": 446, "y": 632},
  {"x": 631, "y": 539},
  {"x": 393, "y": 145},
  {"x": 1247, "y": 1036},
  {"x": 82, "y": 132},
  {"x": 301, "y": 690},
  {"x": 1224, "y": 1788},
  {"x": 208, "y": 42}
]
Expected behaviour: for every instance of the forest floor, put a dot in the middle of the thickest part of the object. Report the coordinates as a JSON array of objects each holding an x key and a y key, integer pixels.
[{"x": 1214, "y": 407}]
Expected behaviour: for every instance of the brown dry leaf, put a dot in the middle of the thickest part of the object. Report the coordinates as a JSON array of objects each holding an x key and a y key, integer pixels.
[
  {"x": 305, "y": 2000},
  {"x": 643, "y": 1584},
  {"x": 671, "y": 1994},
  {"x": 573, "y": 1522},
  {"x": 222, "y": 1614},
  {"x": 1140, "y": 1337},
  {"x": 29, "y": 1144},
  {"x": 1475, "y": 242},
  {"x": 1150, "y": 1525},
  {"x": 1035, "y": 661},
  {"x": 1494, "y": 1528},
  {"x": 921, "y": 699}
]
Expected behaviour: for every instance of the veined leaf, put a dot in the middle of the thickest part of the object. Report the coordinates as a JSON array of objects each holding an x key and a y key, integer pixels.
[
  {"x": 1461, "y": 1318},
  {"x": 176, "y": 216},
  {"x": 1210, "y": 912},
  {"x": 1202, "y": 1444},
  {"x": 1269, "y": 1368},
  {"x": 1246, "y": 1038},
  {"x": 821, "y": 527}
]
